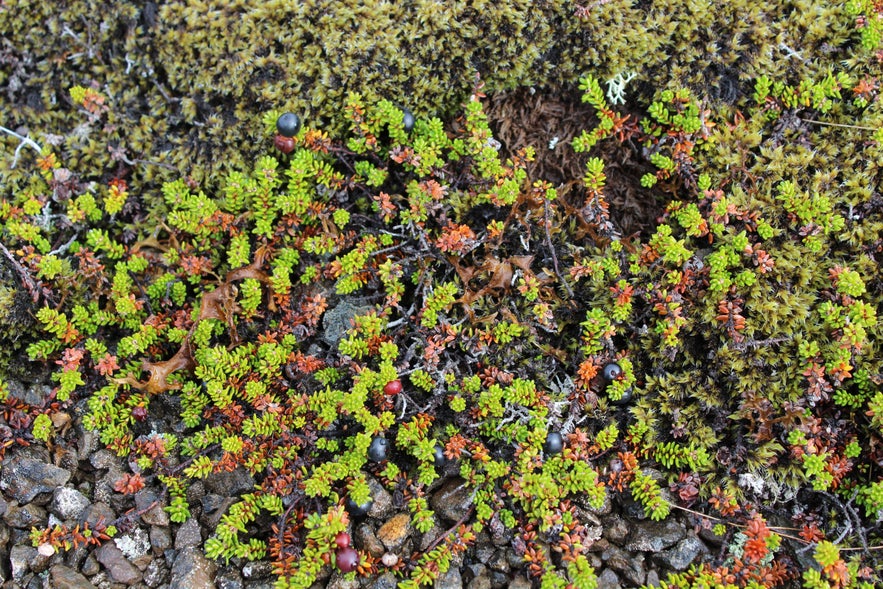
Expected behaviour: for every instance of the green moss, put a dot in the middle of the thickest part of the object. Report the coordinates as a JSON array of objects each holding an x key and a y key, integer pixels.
[{"x": 180, "y": 102}]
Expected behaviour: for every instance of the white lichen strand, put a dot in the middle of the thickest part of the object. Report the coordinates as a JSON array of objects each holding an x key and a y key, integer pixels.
[{"x": 616, "y": 86}]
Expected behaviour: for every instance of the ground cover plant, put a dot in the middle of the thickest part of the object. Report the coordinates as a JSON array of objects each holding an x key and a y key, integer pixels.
[{"x": 724, "y": 362}]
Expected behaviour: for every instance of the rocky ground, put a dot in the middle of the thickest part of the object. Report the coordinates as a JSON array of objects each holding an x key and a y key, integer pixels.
[{"x": 73, "y": 484}]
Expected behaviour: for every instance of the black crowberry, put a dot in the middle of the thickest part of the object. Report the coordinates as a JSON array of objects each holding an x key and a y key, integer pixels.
[
  {"x": 407, "y": 120},
  {"x": 288, "y": 124},
  {"x": 554, "y": 443},
  {"x": 377, "y": 449},
  {"x": 611, "y": 371}
]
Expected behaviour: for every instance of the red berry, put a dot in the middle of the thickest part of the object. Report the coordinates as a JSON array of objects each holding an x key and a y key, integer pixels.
[
  {"x": 342, "y": 540},
  {"x": 284, "y": 144},
  {"x": 347, "y": 559},
  {"x": 393, "y": 388},
  {"x": 139, "y": 413}
]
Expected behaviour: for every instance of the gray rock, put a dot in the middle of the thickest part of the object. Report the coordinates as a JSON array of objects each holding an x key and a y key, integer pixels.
[
  {"x": 431, "y": 535},
  {"x": 87, "y": 443},
  {"x": 587, "y": 516},
  {"x": 368, "y": 541},
  {"x": 499, "y": 580},
  {"x": 24, "y": 478},
  {"x": 708, "y": 535},
  {"x": 66, "y": 578},
  {"x": 188, "y": 535},
  {"x": 608, "y": 580},
  {"x": 135, "y": 547},
  {"x": 452, "y": 500},
  {"x": 500, "y": 534},
  {"x": 258, "y": 569},
  {"x": 102, "y": 581},
  {"x": 104, "y": 459},
  {"x": 450, "y": 580},
  {"x": 213, "y": 509},
  {"x": 482, "y": 579},
  {"x": 382, "y": 507},
  {"x": 652, "y": 579},
  {"x": 195, "y": 492},
  {"x": 40, "y": 563},
  {"x": 68, "y": 503},
  {"x": 651, "y": 536},
  {"x": 270, "y": 585},
  {"x": 682, "y": 554},
  {"x": 155, "y": 515},
  {"x": 520, "y": 582},
  {"x": 605, "y": 508},
  {"x": 338, "y": 320},
  {"x": 156, "y": 573},
  {"x": 384, "y": 581},
  {"x": 32, "y": 395},
  {"x": 499, "y": 562},
  {"x": 75, "y": 557},
  {"x": 20, "y": 557},
  {"x": 339, "y": 581},
  {"x": 68, "y": 460},
  {"x": 98, "y": 513},
  {"x": 631, "y": 566},
  {"x": 105, "y": 493},
  {"x": 228, "y": 578},
  {"x": 90, "y": 566},
  {"x": 483, "y": 551},
  {"x": 515, "y": 560},
  {"x": 114, "y": 561},
  {"x": 229, "y": 484},
  {"x": 160, "y": 539},
  {"x": 25, "y": 517},
  {"x": 633, "y": 510},
  {"x": 616, "y": 530},
  {"x": 192, "y": 570},
  {"x": 593, "y": 534}
]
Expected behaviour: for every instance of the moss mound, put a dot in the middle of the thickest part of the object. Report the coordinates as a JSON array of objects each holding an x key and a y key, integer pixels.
[{"x": 186, "y": 83}]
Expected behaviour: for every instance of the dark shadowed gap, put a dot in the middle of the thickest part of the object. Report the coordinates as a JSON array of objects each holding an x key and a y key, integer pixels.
[{"x": 548, "y": 121}]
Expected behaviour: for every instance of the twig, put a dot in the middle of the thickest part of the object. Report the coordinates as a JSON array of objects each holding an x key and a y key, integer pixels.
[
  {"x": 452, "y": 529},
  {"x": 546, "y": 224},
  {"x": 29, "y": 282},
  {"x": 712, "y": 518},
  {"x": 24, "y": 141},
  {"x": 854, "y": 522},
  {"x": 63, "y": 248},
  {"x": 152, "y": 163},
  {"x": 741, "y": 346},
  {"x": 859, "y": 127}
]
